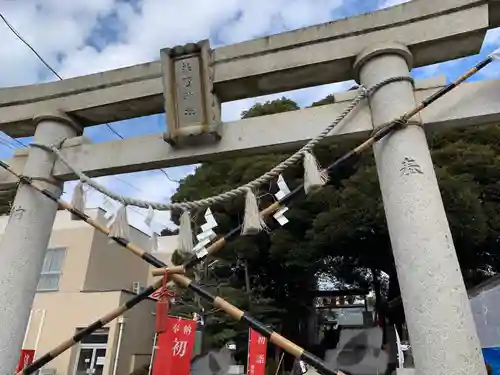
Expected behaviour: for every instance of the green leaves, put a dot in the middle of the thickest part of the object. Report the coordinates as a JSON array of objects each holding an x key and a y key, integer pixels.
[
  {"x": 339, "y": 231},
  {"x": 271, "y": 107}
]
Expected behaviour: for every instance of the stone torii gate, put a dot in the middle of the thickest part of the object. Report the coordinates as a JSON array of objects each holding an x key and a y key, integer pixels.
[{"x": 191, "y": 81}]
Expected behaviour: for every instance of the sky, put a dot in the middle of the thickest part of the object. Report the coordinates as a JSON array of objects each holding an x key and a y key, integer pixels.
[{"x": 81, "y": 37}]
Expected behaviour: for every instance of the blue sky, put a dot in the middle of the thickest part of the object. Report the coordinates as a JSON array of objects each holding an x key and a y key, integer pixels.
[{"x": 80, "y": 37}]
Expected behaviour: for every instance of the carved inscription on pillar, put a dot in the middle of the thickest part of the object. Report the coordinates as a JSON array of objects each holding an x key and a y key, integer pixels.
[
  {"x": 409, "y": 166},
  {"x": 192, "y": 109}
]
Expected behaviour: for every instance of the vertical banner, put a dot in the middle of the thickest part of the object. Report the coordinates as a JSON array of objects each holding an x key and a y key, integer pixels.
[
  {"x": 257, "y": 349},
  {"x": 174, "y": 348},
  {"x": 26, "y": 358}
]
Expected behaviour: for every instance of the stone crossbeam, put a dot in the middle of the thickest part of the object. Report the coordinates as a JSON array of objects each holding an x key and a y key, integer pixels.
[
  {"x": 473, "y": 103},
  {"x": 434, "y": 31}
]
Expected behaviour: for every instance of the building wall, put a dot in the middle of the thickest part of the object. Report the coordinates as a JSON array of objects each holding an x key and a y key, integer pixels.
[
  {"x": 138, "y": 361},
  {"x": 112, "y": 267},
  {"x": 56, "y": 316},
  {"x": 78, "y": 243},
  {"x": 485, "y": 305},
  {"x": 76, "y": 238},
  {"x": 166, "y": 247},
  {"x": 138, "y": 333},
  {"x": 64, "y": 313},
  {"x": 94, "y": 277}
]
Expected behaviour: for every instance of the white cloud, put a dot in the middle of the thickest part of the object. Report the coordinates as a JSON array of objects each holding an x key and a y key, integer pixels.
[
  {"x": 260, "y": 17},
  {"x": 61, "y": 30},
  {"x": 391, "y": 3},
  {"x": 80, "y": 37},
  {"x": 52, "y": 27},
  {"x": 149, "y": 185}
]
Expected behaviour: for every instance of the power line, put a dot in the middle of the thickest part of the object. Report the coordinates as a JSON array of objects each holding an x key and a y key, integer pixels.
[
  {"x": 167, "y": 176},
  {"x": 129, "y": 207},
  {"x": 5, "y": 143},
  {"x": 129, "y": 184},
  {"x": 16, "y": 140},
  {"x": 47, "y": 65},
  {"x": 114, "y": 131},
  {"x": 14, "y": 31}
]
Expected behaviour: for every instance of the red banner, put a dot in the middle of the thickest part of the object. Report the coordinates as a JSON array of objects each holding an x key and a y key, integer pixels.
[
  {"x": 257, "y": 349},
  {"x": 26, "y": 358},
  {"x": 174, "y": 348}
]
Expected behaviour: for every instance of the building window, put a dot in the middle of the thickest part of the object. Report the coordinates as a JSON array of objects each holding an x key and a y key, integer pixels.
[
  {"x": 91, "y": 355},
  {"x": 98, "y": 337},
  {"x": 51, "y": 269}
]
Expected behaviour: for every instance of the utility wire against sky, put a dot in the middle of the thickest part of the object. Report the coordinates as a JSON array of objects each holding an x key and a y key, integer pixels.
[
  {"x": 129, "y": 207},
  {"x": 15, "y": 140},
  {"x": 4, "y": 142},
  {"x": 7, "y": 144},
  {"x": 16, "y": 33},
  {"x": 47, "y": 65},
  {"x": 44, "y": 62}
]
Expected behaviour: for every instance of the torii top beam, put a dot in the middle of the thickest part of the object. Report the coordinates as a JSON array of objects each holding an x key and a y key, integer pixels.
[{"x": 434, "y": 31}]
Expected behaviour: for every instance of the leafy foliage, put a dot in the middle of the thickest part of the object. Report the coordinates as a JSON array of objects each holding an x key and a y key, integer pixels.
[
  {"x": 339, "y": 231},
  {"x": 169, "y": 232},
  {"x": 227, "y": 278}
]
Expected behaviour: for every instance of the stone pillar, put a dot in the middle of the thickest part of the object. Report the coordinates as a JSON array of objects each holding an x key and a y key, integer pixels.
[
  {"x": 26, "y": 237},
  {"x": 440, "y": 323}
]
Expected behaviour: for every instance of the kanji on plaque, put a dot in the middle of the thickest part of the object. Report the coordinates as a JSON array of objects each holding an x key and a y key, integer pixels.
[
  {"x": 257, "y": 349},
  {"x": 174, "y": 348}
]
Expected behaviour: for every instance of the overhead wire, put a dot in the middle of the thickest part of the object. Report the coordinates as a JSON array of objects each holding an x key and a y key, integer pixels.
[
  {"x": 44, "y": 62},
  {"x": 6, "y": 143},
  {"x": 47, "y": 65},
  {"x": 16, "y": 33},
  {"x": 19, "y": 36},
  {"x": 168, "y": 177}
]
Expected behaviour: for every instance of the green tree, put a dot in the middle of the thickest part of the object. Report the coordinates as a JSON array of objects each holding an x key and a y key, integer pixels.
[
  {"x": 245, "y": 254},
  {"x": 329, "y": 99},
  {"x": 169, "y": 232},
  {"x": 339, "y": 231},
  {"x": 351, "y": 232}
]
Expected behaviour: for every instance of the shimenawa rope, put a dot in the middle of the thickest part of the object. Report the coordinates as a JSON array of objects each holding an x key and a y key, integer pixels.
[{"x": 241, "y": 190}]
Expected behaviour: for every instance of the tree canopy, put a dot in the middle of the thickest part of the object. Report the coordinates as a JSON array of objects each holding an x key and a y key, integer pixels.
[{"x": 339, "y": 231}]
